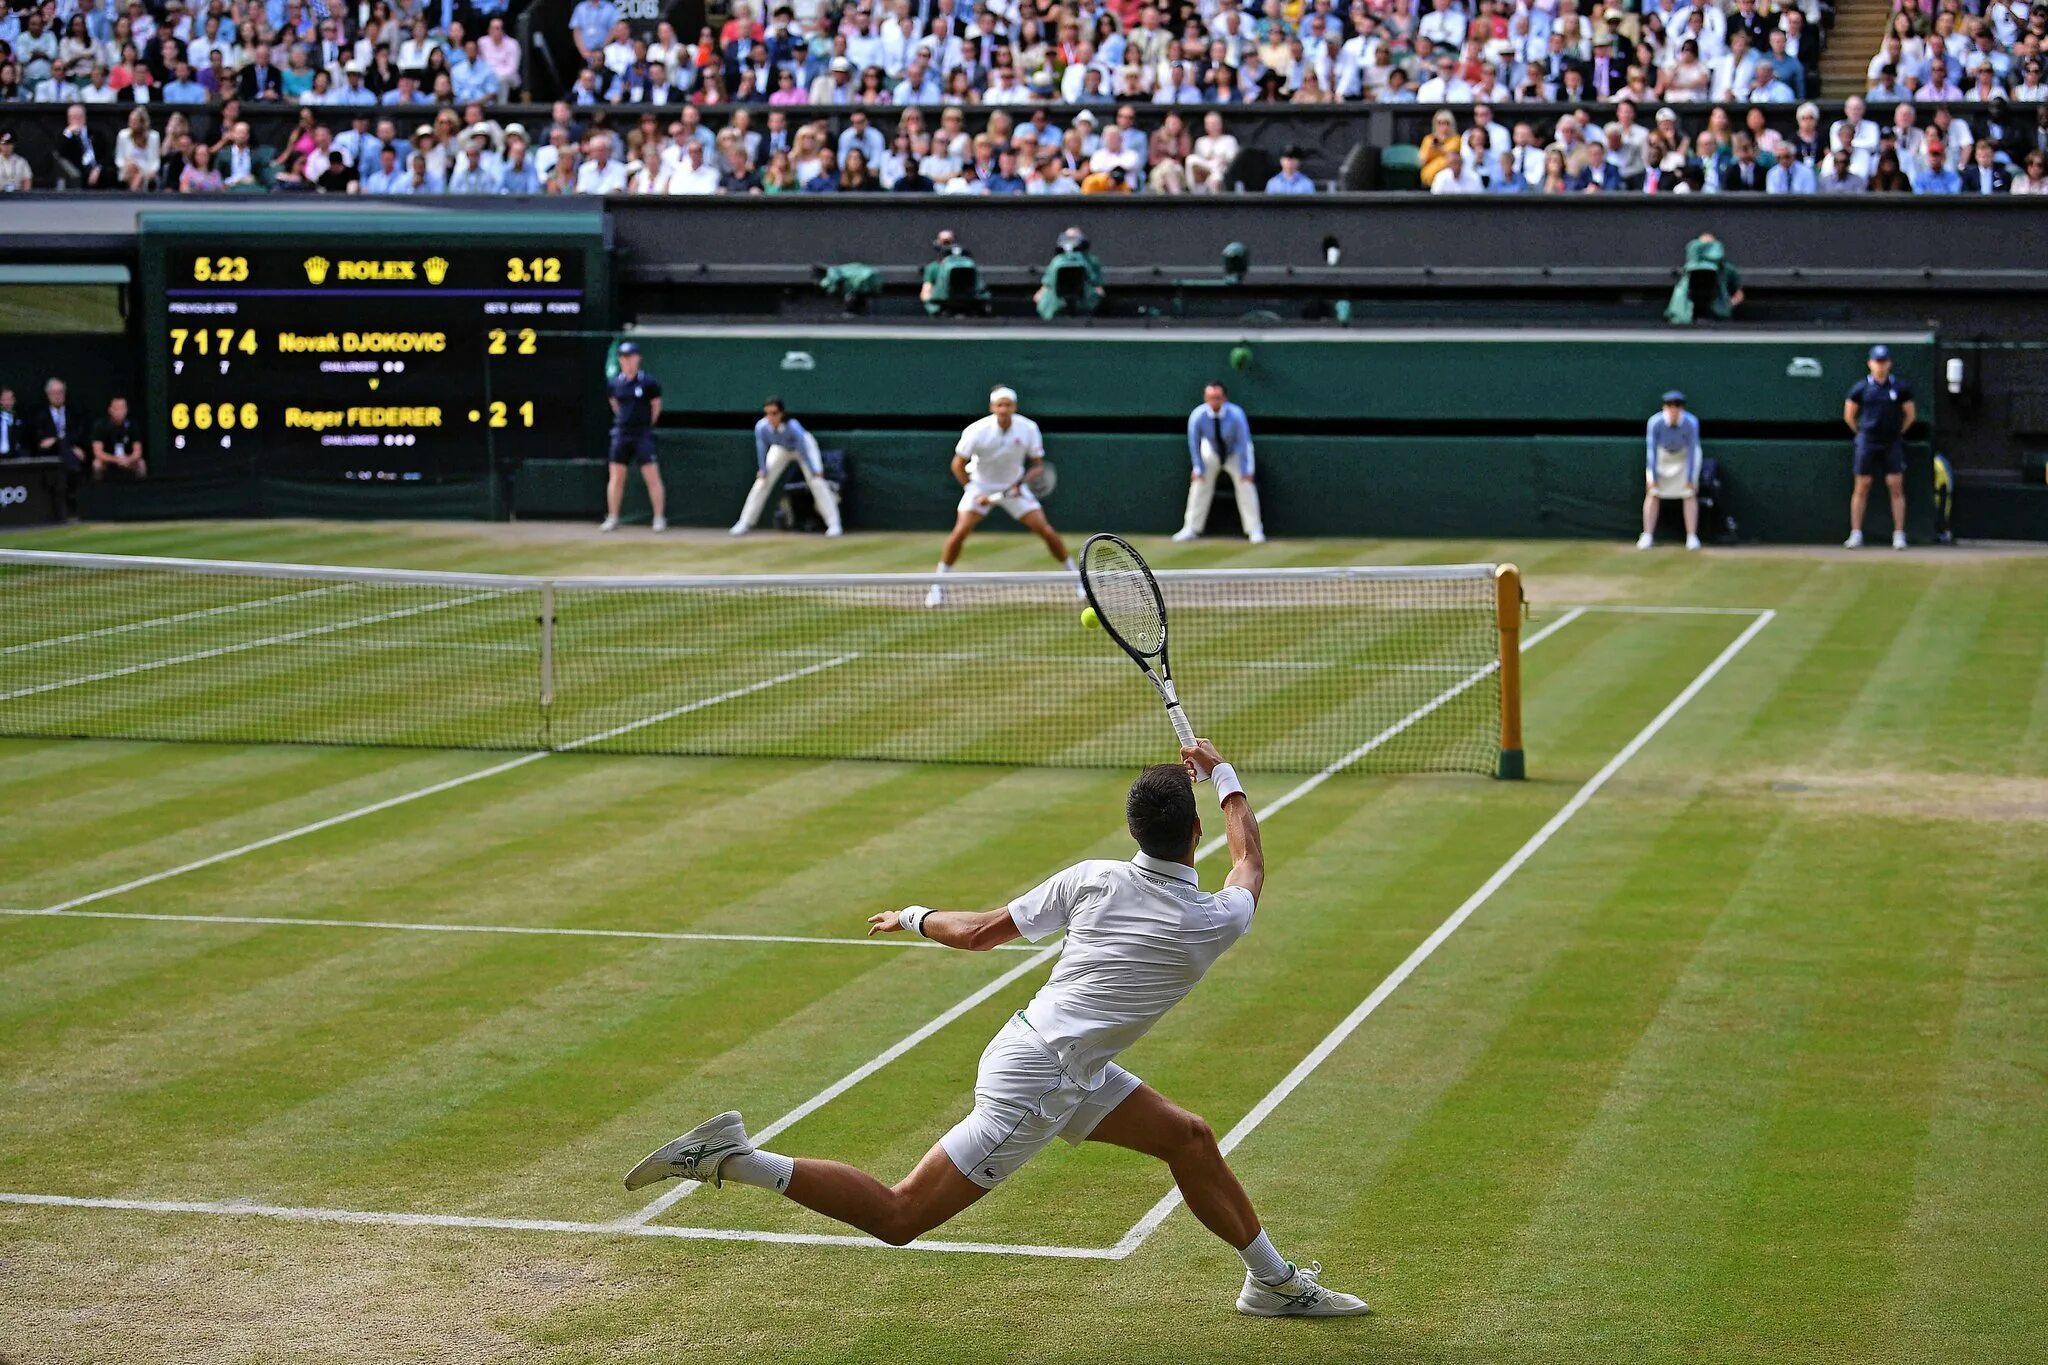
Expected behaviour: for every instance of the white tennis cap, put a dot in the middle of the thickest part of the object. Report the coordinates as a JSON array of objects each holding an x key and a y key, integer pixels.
[{"x": 1002, "y": 391}]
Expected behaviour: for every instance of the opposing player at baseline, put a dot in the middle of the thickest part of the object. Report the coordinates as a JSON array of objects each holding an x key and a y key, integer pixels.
[
  {"x": 778, "y": 439},
  {"x": 993, "y": 462},
  {"x": 1139, "y": 936}
]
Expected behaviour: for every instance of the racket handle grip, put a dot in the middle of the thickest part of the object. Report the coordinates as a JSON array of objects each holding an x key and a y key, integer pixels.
[{"x": 1181, "y": 727}]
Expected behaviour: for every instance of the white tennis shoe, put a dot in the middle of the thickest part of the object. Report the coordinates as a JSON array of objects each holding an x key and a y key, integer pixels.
[
  {"x": 696, "y": 1155},
  {"x": 1185, "y": 534},
  {"x": 1257, "y": 537},
  {"x": 1854, "y": 542},
  {"x": 835, "y": 530},
  {"x": 1898, "y": 540},
  {"x": 661, "y": 523},
  {"x": 739, "y": 528},
  {"x": 936, "y": 597},
  {"x": 1302, "y": 1296},
  {"x": 1645, "y": 541},
  {"x": 608, "y": 524},
  {"x": 1692, "y": 542}
]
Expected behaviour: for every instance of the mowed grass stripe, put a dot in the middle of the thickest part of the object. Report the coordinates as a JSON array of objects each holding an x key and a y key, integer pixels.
[
  {"x": 370, "y": 864},
  {"x": 1970, "y": 1259},
  {"x": 287, "y": 885},
  {"x": 1805, "y": 1252},
  {"x": 254, "y": 795},
  {"x": 220, "y": 799}
]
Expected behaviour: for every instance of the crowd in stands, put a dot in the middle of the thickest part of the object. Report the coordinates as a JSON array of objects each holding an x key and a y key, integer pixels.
[
  {"x": 1918, "y": 150},
  {"x": 895, "y": 76}
]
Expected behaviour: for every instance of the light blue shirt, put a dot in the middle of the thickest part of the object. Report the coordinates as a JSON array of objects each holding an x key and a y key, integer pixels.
[
  {"x": 1790, "y": 177},
  {"x": 520, "y": 179},
  {"x": 871, "y": 143},
  {"x": 1685, "y": 436},
  {"x": 183, "y": 92},
  {"x": 1284, "y": 183},
  {"x": 398, "y": 181},
  {"x": 789, "y": 436},
  {"x": 593, "y": 20},
  {"x": 474, "y": 81},
  {"x": 1230, "y": 431}
]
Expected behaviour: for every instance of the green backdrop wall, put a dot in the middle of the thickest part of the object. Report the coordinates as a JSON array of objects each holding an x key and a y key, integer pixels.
[
  {"x": 1439, "y": 376},
  {"x": 1789, "y": 491}
]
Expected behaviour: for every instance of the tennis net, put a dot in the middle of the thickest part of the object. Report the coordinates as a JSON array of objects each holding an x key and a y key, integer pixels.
[{"x": 1288, "y": 669}]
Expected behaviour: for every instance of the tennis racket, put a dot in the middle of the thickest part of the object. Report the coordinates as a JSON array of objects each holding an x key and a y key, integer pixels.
[
  {"x": 1127, "y": 601},
  {"x": 1042, "y": 479}
]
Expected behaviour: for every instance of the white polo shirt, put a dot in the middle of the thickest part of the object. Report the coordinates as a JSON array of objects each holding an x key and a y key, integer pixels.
[
  {"x": 1139, "y": 936},
  {"x": 996, "y": 457}
]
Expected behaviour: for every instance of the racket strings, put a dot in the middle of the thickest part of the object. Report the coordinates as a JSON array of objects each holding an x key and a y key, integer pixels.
[{"x": 1125, "y": 598}]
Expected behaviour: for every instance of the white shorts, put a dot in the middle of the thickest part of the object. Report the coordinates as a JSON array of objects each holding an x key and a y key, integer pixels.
[
  {"x": 1019, "y": 504},
  {"x": 1022, "y": 1101},
  {"x": 1671, "y": 470}
]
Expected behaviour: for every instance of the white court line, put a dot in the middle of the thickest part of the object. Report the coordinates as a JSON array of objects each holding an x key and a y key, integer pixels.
[
  {"x": 1261, "y": 1111},
  {"x": 164, "y": 620},
  {"x": 1676, "y": 611},
  {"x": 868, "y": 1068},
  {"x": 667, "y": 936},
  {"x": 219, "y": 650},
  {"x": 288, "y": 1213},
  {"x": 400, "y": 800}
]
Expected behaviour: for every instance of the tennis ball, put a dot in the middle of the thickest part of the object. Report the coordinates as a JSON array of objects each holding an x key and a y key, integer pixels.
[{"x": 1090, "y": 619}]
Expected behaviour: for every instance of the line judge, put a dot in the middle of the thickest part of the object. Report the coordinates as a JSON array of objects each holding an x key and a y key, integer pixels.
[
  {"x": 1220, "y": 439},
  {"x": 1671, "y": 469},
  {"x": 636, "y": 407}
]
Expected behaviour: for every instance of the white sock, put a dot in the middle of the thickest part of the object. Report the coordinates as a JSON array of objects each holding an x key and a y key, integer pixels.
[
  {"x": 765, "y": 1169},
  {"x": 945, "y": 567},
  {"x": 1266, "y": 1265},
  {"x": 1071, "y": 566}
]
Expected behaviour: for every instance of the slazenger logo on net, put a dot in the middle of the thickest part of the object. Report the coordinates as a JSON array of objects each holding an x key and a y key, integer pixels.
[{"x": 14, "y": 496}]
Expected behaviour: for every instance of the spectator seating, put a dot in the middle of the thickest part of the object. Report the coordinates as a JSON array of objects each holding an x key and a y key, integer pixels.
[{"x": 779, "y": 99}]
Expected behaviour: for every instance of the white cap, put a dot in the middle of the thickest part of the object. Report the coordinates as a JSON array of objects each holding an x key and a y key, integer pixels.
[{"x": 1000, "y": 392}]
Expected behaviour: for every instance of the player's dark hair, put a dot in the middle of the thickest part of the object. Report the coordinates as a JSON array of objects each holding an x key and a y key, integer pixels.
[
  {"x": 1217, "y": 384},
  {"x": 1161, "y": 811},
  {"x": 771, "y": 401}
]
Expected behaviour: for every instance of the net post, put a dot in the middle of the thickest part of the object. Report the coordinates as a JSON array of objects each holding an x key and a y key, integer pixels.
[
  {"x": 1507, "y": 596},
  {"x": 547, "y": 644}
]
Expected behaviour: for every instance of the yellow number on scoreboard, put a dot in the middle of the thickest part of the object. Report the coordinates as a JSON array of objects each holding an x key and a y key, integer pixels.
[
  {"x": 528, "y": 341},
  {"x": 221, "y": 269},
  {"x": 534, "y": 270},
  {"x": 218, "y": 341},
  {"x": 226, "y": 416},
  {"x": 501, "y": 414}
]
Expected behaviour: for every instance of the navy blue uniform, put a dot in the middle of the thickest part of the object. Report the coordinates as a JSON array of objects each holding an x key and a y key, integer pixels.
[
  {"x": 1880, "y": 424},
  {"x": 633, "y": 424}
]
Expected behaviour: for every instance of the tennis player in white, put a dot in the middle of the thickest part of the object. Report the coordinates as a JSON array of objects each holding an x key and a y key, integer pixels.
[
  {"x": 1139, "y": 936},
  {"x": 778, "y": 439},
  {"x": 994, "y": 459}
]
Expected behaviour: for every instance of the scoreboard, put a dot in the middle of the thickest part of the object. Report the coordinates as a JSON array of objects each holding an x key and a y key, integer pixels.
[{"x": 371, "y": 348}]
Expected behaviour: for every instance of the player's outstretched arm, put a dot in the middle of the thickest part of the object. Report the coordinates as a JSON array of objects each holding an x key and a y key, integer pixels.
[
  {"x": 974, "y": 931},
  {"x": 1240, "y": 824}
]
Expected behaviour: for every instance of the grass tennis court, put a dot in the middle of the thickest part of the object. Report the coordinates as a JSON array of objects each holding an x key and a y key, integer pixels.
[{"x": 1737, "y": 1056}]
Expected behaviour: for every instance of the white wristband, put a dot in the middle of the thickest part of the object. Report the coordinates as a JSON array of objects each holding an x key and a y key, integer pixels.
[
  {"x": 913, "y": 919},
  {"x": 1225, "y": 779}
]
